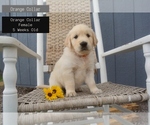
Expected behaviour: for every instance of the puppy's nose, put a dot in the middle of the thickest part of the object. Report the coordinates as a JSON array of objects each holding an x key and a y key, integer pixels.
[{"x": 83, "y": 44}]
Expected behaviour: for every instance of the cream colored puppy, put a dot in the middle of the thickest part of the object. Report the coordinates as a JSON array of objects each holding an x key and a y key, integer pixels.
[{"x": 76, "y": 65}]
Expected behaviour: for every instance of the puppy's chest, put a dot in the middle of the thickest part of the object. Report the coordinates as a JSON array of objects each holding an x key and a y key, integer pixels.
[{"x": 82, "y": 65}]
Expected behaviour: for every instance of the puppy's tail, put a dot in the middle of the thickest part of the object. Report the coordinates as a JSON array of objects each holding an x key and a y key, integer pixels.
[{"x": 42, "y": 86}]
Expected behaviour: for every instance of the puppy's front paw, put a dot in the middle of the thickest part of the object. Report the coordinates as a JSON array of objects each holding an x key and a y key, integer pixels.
[
  {"x": 96, "y": 91},
  {"x": 70, "y": 93}
]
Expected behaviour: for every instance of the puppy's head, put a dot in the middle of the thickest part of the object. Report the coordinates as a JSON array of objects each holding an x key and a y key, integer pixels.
[{"x": 81, "y": 39}]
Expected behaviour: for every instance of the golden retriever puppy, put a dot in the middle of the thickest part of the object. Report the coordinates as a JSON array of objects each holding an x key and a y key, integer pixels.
[{"x": 76, "y": 65}]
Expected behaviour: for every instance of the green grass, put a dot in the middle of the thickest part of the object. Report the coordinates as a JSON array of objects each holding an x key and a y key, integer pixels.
[{"x": 1, "y": 79}]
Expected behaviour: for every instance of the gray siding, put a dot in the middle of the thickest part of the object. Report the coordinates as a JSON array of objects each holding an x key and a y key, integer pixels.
[
  {"x": 117, "y": 29},
  {"x": 26, "y": 67},
  {"x": 123, "y": 33},
  {"x": 142, "y": 27},
  {"x": 1, "y": 15}
]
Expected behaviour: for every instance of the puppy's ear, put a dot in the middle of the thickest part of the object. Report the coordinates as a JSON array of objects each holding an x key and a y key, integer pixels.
[
  {"x": 68, "y": 41},
  {"x": 95, "y": 41}
]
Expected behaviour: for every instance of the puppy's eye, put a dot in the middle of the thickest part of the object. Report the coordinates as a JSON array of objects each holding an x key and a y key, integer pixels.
[
  {"x": 88, "y": 35},
  {"x": 76, "y": 36}
]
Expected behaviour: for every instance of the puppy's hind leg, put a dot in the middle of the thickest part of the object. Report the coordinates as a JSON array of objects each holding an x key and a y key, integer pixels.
[
  {"x": 53, "y": 81},
  {"x": 79, "y": 89}
]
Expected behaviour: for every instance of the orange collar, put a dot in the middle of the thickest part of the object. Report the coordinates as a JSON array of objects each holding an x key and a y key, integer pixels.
[{"x": 83, "y": 55}]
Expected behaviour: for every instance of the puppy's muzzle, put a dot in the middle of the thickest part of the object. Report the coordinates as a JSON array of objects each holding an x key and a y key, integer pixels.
[{"x": 83, "y": 45}]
